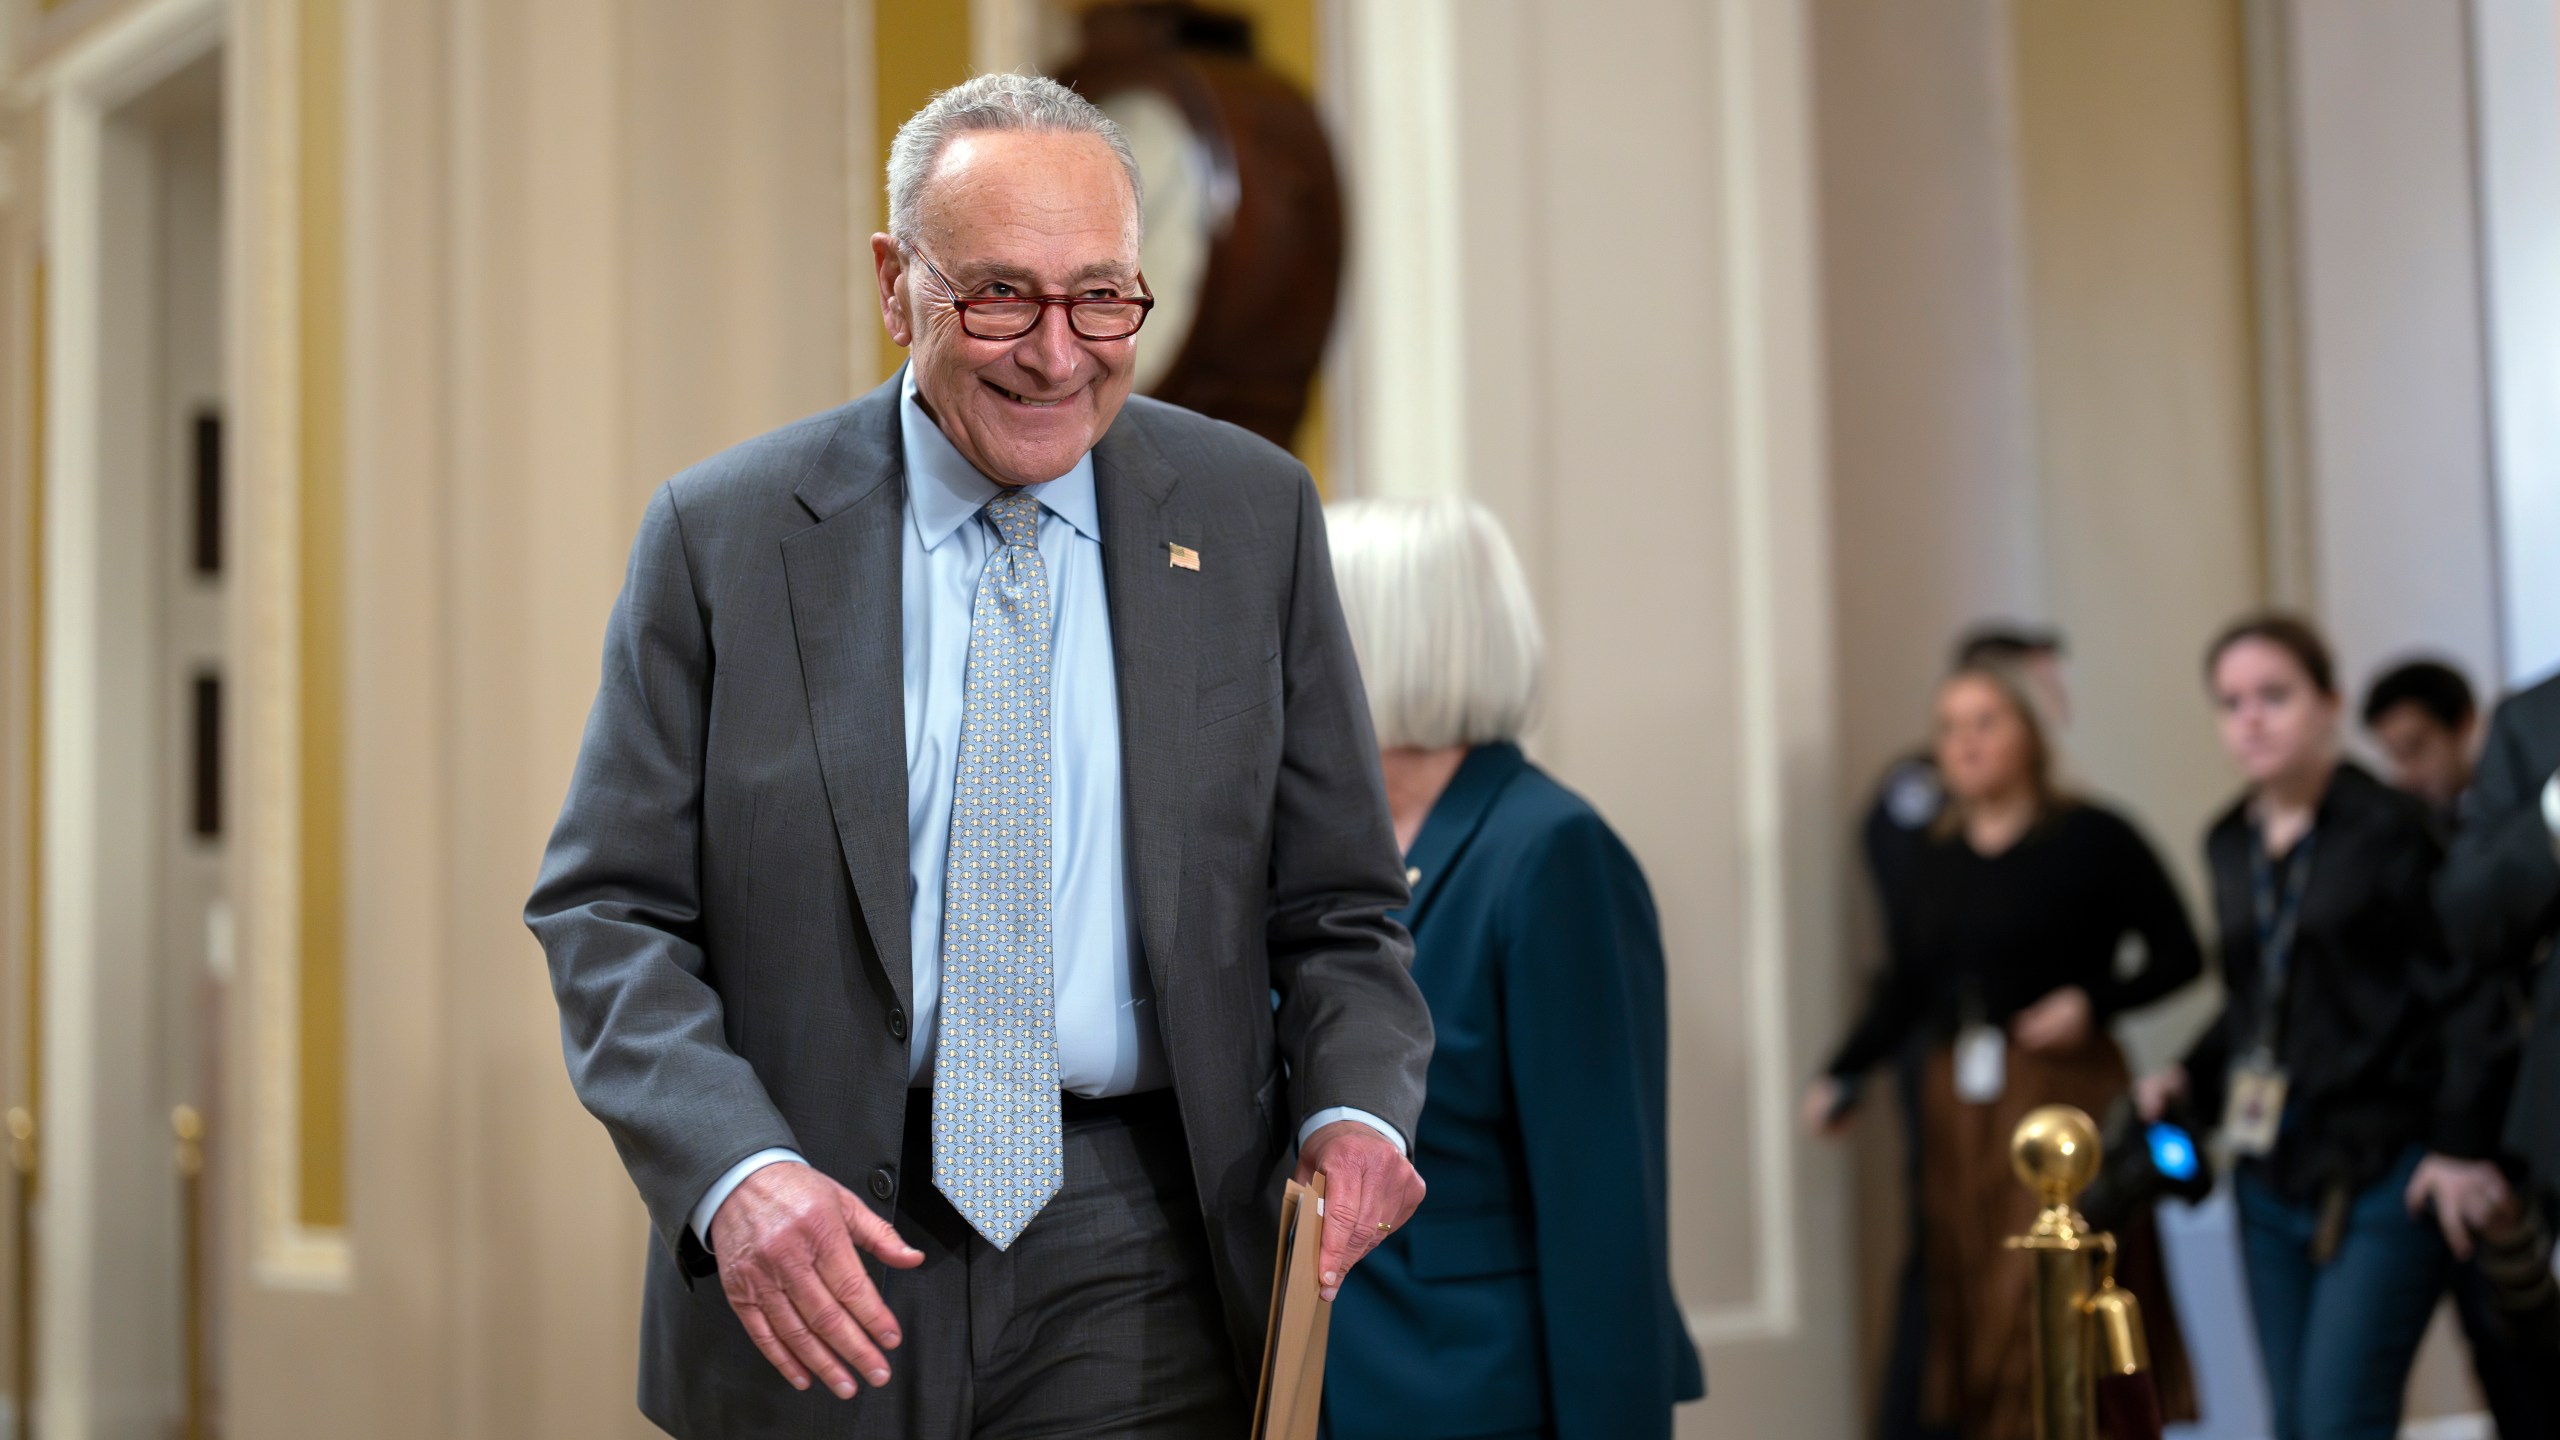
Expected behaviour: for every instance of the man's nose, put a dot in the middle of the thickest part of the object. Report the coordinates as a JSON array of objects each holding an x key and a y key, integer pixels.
[{"x": 1052, "y": 349}]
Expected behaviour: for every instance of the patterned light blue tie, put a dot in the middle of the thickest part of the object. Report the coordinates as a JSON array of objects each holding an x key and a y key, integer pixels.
[{"x": 995, "y": 1073}]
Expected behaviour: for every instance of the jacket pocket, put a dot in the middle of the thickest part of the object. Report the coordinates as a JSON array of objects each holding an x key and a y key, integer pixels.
[{"x": 1241, "y": 694}]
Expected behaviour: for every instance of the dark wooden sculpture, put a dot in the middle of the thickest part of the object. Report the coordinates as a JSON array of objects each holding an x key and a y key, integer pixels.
[{"x": 1272, "y": 213}]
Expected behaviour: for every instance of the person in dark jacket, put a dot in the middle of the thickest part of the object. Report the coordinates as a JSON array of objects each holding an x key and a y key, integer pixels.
[
  {"x": 2002, "y": 978},
  {"x": 2423, "y": 715},
  {"x": 2359, "y": 1140},
  {"x": 1530, "y": 1296},
  {"x": 2500, "y": 899}
]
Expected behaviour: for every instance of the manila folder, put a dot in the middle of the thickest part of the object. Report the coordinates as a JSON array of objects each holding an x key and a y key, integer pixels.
[{"x": 1292, "y": 1392}]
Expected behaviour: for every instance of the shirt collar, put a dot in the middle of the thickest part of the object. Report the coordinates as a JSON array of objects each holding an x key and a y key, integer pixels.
[{"x": 944, "y": 490}]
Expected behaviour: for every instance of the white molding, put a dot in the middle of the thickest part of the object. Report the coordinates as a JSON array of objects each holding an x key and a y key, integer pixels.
[
  {"x": 1774, "y": 462},
  {"x": 1409, "y": 349},
  {"x": 117, "y": 62},
  {"x": 2515, "y": 149},
  {"x": 2289, "y": 546}
]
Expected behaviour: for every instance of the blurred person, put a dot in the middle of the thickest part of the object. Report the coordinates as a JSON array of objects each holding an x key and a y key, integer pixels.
[
  {"x": 2422, "y": 714},
  {"x": 2499, "y": 896},
  {"x": 803, "y": 946},
  {"x": 1532, "y": 1296},
  {"x": 2360, "y": 1147},
  {"x": 2003, "y": 975},
  {"x": 1907, "y": 804}
]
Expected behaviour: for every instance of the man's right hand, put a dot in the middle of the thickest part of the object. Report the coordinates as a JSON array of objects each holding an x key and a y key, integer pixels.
[{"x": 789, "y": 1243}]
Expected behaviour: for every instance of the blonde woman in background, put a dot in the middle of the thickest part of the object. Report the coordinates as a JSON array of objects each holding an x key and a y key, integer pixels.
[
  {"x": 1530, "y": 1296},
  {"x": 2003, "y": 974}
]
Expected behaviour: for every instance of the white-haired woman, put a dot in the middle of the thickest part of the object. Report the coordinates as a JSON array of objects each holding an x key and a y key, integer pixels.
[{"x": 1531, "y": 1295}]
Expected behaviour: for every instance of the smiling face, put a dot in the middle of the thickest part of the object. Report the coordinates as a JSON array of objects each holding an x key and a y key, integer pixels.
[
  {"x": 2276, "y": 723},
  {"x": 1016, "y": 213}
]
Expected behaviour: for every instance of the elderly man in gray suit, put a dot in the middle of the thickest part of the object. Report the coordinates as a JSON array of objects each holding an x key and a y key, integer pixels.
[{"x": 977, "y": 860}]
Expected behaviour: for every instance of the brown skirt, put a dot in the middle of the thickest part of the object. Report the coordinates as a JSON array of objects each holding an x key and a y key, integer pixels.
[{"x": 1980, "y": 1376}]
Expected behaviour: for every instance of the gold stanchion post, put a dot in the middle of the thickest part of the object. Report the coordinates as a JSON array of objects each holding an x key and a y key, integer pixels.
[{"x": 2086, "y": 1327}]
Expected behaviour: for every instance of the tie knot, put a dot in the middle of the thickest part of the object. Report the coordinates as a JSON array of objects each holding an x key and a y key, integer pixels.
[{"x": 1016, "y": 514}]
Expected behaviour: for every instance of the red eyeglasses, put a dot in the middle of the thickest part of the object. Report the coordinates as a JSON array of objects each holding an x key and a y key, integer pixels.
[{"x": 1010, "y": 317}]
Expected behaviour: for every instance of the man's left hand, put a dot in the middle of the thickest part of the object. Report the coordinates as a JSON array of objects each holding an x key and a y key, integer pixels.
[{"x": 1370, "y": 1190}]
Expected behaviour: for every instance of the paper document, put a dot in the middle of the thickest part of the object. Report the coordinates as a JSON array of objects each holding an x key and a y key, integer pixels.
[{"x": 1292, "y": 1392}]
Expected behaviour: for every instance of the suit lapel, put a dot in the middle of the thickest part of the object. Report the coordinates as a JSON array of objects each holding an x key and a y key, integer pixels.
[
  {"x": 843, "y": 576},
  {"x": 1454, "y": 819},
  {"x": 1152, "y": 604}
]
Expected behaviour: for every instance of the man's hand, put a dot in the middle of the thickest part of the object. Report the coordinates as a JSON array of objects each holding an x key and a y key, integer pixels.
[
  {"x": 1369, "y": 1190},
  {"x": 2469, "y": 1197},
  {"x": 786, "y": 1240}
]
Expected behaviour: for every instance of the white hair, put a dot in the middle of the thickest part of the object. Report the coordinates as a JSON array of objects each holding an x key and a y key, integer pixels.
[
  {"x": 1002, "y": 101},
  {"x": 1440, "y": 618}
]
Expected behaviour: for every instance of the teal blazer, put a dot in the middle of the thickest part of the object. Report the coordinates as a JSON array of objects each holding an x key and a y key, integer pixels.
[{"x": 1531, "y": 1293}]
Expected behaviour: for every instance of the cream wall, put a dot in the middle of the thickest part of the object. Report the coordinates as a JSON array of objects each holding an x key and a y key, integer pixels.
[
  {"x": 1934, "y": 485},
  {"x": 2396, "y": 411},
  {"x": 2134, "y": 176},
  {"x": 2042, "y": 368}
]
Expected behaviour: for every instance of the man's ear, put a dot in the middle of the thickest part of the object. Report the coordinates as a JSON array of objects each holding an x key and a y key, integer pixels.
[{"x": 889, "y": 266}]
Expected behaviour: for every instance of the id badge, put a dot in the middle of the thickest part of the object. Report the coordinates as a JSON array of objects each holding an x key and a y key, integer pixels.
[
  {"x": 1982, "y": 1064},
  {"x": 2255, "y": 1110}
]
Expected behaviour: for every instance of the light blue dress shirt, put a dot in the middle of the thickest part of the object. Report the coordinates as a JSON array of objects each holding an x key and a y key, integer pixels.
[{"x": 1105, "y": 1000}]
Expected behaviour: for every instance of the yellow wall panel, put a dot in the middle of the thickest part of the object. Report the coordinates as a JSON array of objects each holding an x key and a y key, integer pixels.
[
  {"x": 917, "y": 48},
  {"x": 320, "y": 1014}
]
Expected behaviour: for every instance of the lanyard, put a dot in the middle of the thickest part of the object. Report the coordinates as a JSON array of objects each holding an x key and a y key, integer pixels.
[{"x": 2279, "y": 925}]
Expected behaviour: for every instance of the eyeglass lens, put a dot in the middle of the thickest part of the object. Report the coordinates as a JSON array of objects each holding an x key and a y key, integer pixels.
[{"x": 1092, "y": 319}]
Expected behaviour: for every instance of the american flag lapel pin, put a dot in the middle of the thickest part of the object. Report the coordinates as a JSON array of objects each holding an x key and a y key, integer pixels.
[{"x": 1184, "y": 557}]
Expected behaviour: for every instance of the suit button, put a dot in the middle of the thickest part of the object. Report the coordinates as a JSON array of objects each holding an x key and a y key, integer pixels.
[
  {"x": 884, "y": 1184},
  {"x": 897, "y": 1024}
]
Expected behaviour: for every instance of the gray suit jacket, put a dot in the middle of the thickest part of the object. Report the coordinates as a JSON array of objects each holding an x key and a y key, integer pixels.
[{"x": 724, "y": 899}]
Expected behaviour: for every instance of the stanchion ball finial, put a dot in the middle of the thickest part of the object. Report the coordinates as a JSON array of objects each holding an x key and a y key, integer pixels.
[{"x": 2055, "y": 1152}]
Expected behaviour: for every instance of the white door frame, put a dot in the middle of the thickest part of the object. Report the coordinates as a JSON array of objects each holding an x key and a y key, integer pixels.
[{"x": 89, "y": 615}]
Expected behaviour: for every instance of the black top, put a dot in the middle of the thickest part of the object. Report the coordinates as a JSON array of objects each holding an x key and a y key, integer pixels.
[
  {"x": 2365, "y": 1011},
  {"x": 1988, "y": 936}
]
